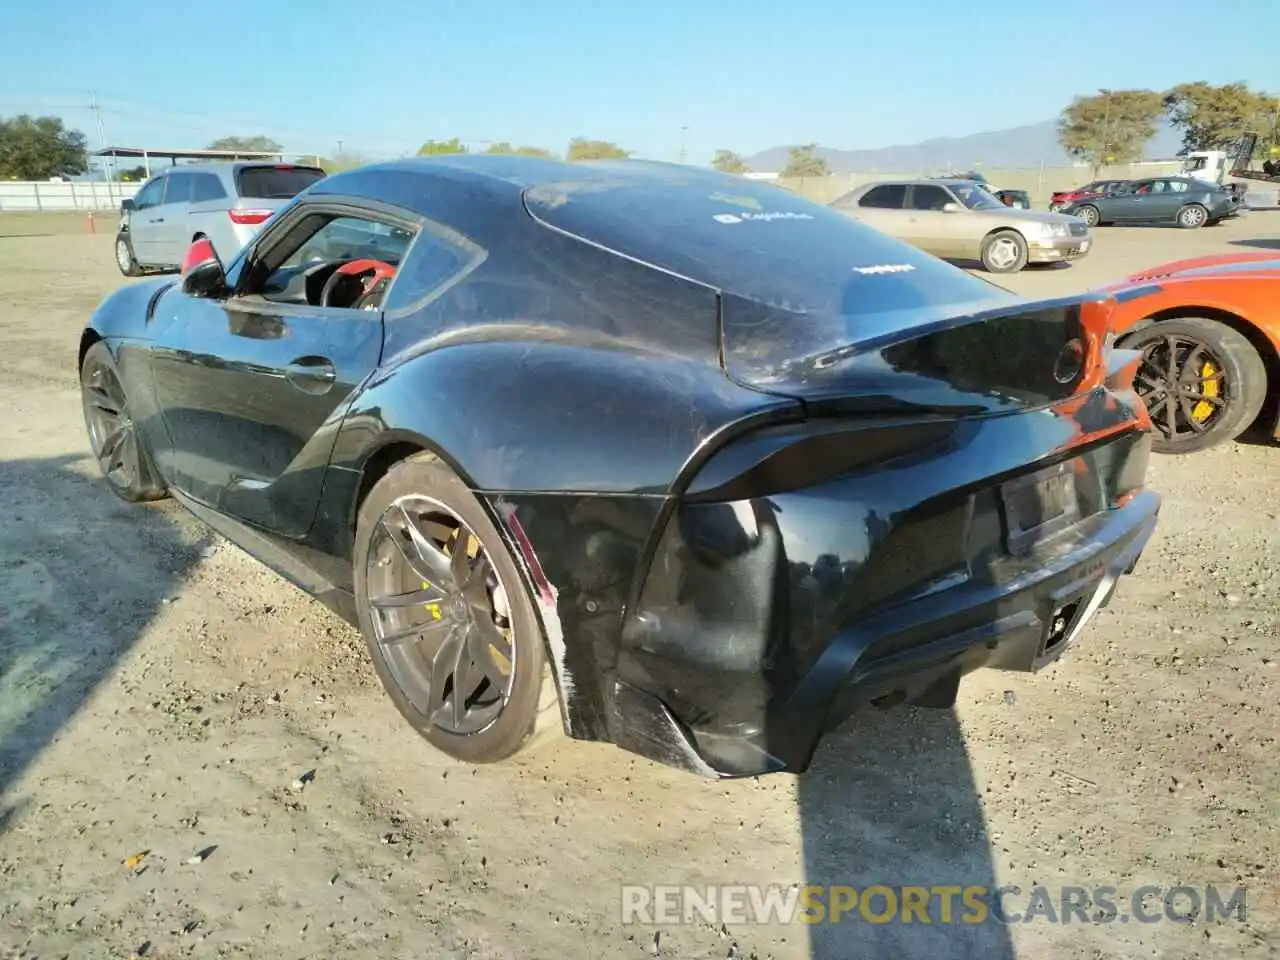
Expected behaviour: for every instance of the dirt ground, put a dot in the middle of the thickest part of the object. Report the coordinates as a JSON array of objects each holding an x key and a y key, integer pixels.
[{"x": 160, "y": 692}]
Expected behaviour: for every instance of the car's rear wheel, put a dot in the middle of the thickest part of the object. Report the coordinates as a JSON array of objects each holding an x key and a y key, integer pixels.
[
  {"x": 1202, "y": 382},
  {"x": 1055, "y": 207},
  {"x": 1004, "y": 251},
  {"x": 1192, "y": 216},
  {"x": 125, "y": 259},
  {"x": 118, "y": 447},
  {"x": 451, "y": 628},
  {"x": 1089, "y": 214}
]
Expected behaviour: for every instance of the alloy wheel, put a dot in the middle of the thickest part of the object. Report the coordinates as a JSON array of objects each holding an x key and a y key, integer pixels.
[
  {"x": 113, "y": 436},
  {"x": 123, "y": 257},
  {"x": 1003, "y": 253},
  {"x": 1182, "y": 383},
  {"x": 440, "y": 615}
]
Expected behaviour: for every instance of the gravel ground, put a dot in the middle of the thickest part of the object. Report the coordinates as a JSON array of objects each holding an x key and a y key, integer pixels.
[{"x": 196, "y": 759}]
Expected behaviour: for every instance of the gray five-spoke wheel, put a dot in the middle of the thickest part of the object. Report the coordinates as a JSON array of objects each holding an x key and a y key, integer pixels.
[
  {"x": 112, "y": 433},
  {"x": 440, "y": 614}
]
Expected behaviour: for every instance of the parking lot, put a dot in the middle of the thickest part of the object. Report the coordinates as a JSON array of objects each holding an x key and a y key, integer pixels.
[{"x": 196, "y": 759}]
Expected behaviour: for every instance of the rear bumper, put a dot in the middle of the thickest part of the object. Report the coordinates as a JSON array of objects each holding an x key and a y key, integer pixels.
[{"x": 1023, "y": 621}]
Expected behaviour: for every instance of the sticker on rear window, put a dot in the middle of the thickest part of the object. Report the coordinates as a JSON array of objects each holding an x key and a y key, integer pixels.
[
  {"x": 885, "y": 268},
  {"x": 739, "y": 217}
]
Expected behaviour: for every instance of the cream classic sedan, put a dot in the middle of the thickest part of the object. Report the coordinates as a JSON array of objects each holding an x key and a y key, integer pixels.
[{"x": 959, "y": 220}]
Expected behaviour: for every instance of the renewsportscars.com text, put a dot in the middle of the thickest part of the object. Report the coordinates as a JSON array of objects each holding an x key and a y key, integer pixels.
[{"x": 936, "y": 904}]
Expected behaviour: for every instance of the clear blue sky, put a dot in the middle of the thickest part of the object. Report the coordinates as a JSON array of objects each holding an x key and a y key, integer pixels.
[{"x": 384, "y": 76}]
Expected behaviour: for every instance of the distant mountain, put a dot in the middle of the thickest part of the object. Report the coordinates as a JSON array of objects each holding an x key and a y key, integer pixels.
[{"x": 1016, "y": 147}]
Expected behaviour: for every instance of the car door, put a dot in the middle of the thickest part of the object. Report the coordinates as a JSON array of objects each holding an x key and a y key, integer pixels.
[
  {"x": 1132, "y": 205},
  {"x": 883, "y": 208},
  {"x": 143, "y": 234},
  {"x": 1167, "y": 198},
  {"x": 933, "y": 230},
  {"x": 173, "y": 236},
  {"x": 253, "y": 385}
]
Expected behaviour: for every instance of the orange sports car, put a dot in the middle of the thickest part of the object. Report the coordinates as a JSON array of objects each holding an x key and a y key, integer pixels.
[{"x": 1209, "y": 332}]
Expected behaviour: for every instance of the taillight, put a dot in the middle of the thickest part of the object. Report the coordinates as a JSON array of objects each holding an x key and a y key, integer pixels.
[{"x": 249, "y": 217}]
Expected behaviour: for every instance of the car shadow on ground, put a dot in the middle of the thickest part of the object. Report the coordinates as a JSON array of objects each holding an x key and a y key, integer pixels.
[
  {"x": 891, "y": 801},
  {"x": 1266, "y": 243},
  {"x": 66, "y": 620}
]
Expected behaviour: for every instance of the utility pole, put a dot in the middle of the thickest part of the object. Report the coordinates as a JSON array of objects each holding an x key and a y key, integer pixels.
[
  {"x": 339, "y": 146},
  {"x": 683, "y": 153},
  {"x": 108, "y": 163}
]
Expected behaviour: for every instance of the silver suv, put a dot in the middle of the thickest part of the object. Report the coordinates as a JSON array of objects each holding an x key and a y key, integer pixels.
[{"x": 225, "y": 202}]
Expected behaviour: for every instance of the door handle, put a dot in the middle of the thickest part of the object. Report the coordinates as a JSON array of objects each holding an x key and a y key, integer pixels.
[
  {"x": 311, "y": 374},
  {"x": 157, "y": 220}
]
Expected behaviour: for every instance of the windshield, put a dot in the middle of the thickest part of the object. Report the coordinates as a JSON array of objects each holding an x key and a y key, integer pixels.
[{"x": 975, "y": 196}]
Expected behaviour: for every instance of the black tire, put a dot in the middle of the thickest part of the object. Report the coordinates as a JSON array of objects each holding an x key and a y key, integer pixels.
[
  {"x": 1090, "y": 215},
  {"x": 121, "y": 452},
  {"x": 415, "y": 488},
  {"x": 1004, "y": 251},
  {"x": 125, "y": 259},
  {"x": 1192, "y": 216},
  {"x": 1233, "y": 394}
]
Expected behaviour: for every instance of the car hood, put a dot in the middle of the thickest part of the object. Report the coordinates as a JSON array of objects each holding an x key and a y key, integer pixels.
[
  {"x": 1223, "y": 265},
  {"x": 1028, "y": 216}
]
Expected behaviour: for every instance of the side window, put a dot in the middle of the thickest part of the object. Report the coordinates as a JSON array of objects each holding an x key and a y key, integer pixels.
[
  {"x": 1143, "y": 188},
  {"x": 177, "y": 188},
  {"x": 150, "y": 195},
  {"x": 207, "y": 187},
  {"x": 297, "y": 266},
  {"x": 1177, "y": 186},
  {"x": 929, "y": 197},
  {"x": 436, "y": 258},
  {"x": 887, "y": 196}
]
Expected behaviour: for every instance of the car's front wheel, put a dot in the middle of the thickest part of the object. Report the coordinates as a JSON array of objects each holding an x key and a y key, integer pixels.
[
  {"x": 1203, "y": 382},
  {"x": 119, "y": 448},
  {"x": 125, "y": 259},
  {"x": 1089, "y": 214},
  {"x": 451, "y": 627},
  {"x": 1004, "y": 251}
]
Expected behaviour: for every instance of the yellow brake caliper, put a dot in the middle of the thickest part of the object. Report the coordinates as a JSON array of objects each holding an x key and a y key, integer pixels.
[
  {"x": 1210, "y": 388},
  {"x": 433, "y": 607}
]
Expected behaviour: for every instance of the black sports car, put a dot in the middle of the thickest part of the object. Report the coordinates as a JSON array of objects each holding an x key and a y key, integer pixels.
[{"x": 726, "y": 462}]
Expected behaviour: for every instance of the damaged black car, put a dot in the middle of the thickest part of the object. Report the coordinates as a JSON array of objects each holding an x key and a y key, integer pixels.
[{"x": 704, "y": 464}]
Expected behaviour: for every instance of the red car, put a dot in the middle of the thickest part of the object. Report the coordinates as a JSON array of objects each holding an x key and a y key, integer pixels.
[
  {"x": 1209, "y": 332},
  {"x": 1097, "y": 188}
]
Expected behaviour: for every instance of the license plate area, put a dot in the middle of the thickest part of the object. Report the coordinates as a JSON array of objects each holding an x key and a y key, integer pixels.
[{"x": 1039, "y": 506}]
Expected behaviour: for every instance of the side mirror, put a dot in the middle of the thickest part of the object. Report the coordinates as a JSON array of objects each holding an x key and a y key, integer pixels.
[
  {"x": 127, "y": 205},
  {"x": 202, "y": 272},
  {"x": 951, "y": 207}
]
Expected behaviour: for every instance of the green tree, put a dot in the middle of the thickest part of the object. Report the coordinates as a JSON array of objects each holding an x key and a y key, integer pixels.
[
  {"x": 505, "y": 147},
  {"x": 580, "y": 148},
  {"x": 437, "y": 148},
  {"x": 257, "y": 144},
  {"x": 1112, "y": 126},
  {"x": 340, "y": 162},
  {"x": 804, "y": 162},
  {"x": 727, "y": 161},
  {"x": 1211, "y": 118},
  {"x": 134, "y": 174},
  {"x": 37, "y": 148}
]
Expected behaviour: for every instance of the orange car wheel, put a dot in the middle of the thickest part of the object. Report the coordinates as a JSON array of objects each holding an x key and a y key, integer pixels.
[{"x": 1202, "y": 382}]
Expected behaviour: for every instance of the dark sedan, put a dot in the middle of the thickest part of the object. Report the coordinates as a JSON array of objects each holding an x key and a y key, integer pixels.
[
  {"x": 716, "y": 463},
  {"x": 1184, "y": 201},
  {"x": 1095, "y": 188}
]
